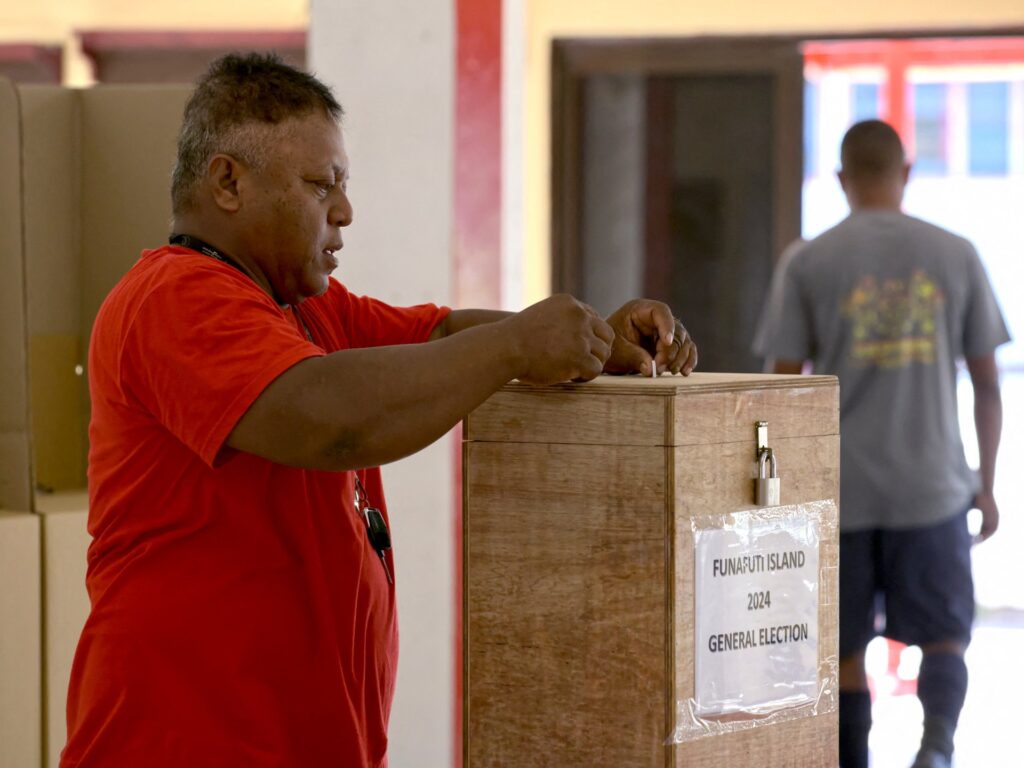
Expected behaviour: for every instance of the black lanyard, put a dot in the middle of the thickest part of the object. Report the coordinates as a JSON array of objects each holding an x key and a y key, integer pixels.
[{"x": 193, "y": 243}]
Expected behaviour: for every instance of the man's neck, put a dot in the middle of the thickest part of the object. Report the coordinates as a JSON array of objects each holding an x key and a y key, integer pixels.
[
  {"x": 865, "y": 207},
  {"x": 875, "y": 194},
  {"x": 227, "y": 246},
  {"x": 875, "y": 199}
]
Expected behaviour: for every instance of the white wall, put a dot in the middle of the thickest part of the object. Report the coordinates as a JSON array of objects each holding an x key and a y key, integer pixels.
[{"x": 392, "y": 66}]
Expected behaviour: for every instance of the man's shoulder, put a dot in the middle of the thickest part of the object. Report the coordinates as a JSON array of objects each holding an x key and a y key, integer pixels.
[
  {"x": 183, "y": 267},
  {"x": 177, "y": 279},
  {"x": 850, "y": 229},
  {"x": 939, "y": 234},
  {"x": 803, "y": 253},
  {"x": 824, "y": 243},
  {"x": 168, "y": 263},
  {"x": 908, "y": 226},
  {"x": 151, "y": 270},
  {"x": 818, "y": 259}
]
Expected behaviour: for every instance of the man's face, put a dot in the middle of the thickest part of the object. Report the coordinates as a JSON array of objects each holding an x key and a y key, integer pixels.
[{"x": 296, "y": 205}]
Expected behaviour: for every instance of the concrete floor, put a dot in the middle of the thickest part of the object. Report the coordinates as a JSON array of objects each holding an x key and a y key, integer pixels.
[{"x": 990, "y": 733}]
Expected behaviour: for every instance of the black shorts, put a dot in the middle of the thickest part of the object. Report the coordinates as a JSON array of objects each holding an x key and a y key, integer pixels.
[{"x": 911, "y": 585}]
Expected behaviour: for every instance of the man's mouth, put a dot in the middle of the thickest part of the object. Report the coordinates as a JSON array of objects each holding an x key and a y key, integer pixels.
[{"x": 332, "y": 260}]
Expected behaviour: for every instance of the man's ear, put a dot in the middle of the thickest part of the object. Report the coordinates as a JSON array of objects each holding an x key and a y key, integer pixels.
[
  {"x": 906, "y": 173},
  {"x": 223, "y": 173}
]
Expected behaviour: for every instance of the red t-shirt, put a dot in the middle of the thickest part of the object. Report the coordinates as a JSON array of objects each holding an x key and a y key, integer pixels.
[{"x": 240, "y": 616}]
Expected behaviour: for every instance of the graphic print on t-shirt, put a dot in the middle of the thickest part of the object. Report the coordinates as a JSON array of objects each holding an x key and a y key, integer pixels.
[{"x": 893, "y": 320}]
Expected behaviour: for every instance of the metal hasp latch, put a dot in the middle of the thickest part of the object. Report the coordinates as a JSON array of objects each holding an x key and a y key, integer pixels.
[{"x": 768, "y": 484}]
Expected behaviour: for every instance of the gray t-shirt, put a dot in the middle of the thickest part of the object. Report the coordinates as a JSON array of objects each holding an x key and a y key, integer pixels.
[{"x": 888, "y": 303}]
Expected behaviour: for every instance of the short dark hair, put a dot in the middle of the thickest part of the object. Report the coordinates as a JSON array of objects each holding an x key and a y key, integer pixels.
[
  {"x": 234, "y": 104},
  {"x": 871, "y": 149}
]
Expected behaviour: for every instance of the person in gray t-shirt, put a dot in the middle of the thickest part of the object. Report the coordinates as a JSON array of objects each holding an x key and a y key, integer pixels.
[{"x": 889, "y": 304}]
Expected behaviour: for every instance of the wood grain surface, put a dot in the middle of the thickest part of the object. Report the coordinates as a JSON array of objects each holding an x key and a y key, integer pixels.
[
  {"x": 631, "y": 410},
  {"x": 565, "y": 563},
  {"x": 578, "y": 563}
]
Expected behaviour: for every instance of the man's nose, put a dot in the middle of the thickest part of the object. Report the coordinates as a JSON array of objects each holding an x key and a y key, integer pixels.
[{"x": 340, "y": 214}]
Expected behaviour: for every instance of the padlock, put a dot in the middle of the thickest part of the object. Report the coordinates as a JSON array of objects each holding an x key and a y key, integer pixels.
[{"x": 769, "y": 485}]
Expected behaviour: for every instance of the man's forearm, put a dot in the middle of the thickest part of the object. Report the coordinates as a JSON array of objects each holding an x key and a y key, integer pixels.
[
  {"x": 988, "y": 424},
  {"x": 461, "y": 319},
  {"x": 366, "y": 406}
]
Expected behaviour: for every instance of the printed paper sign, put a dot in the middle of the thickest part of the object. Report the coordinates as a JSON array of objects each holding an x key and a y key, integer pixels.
[{"x": 756, "y": 614}]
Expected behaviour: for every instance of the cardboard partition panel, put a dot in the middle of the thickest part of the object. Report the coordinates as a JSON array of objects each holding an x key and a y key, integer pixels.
[
  {"x": 97, "y": 167},
  {"x": 20, "y": 607},
  {"x": 51, "y": 215},
  {"x": 15, "y": 444},
  {"x": 65, "y": 607},
  {"x": 84, "y": 188}
]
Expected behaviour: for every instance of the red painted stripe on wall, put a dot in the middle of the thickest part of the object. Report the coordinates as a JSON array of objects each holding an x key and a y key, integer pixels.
[
  {"x": 477, "y": 229},
  {"x": 478, "y": 155}
]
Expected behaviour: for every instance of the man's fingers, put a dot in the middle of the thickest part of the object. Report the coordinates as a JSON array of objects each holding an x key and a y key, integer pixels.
[
  {"x": 632, "y": 357},
  {"x": 666, "y": 341},
  {"x": 643, "y": 318},
  {"x": 678, "y": 352},
  {"x": 649, "y": 335},
  {"x": 603, "y": 331},
  {"x": 680, "y": 356},
  {"x": 678, "y": 360},
  {"x": 686, "y": 358},
  {"x": 655, "y": 319},
  {"x": 691, "y": 358},
  {"x": 600, "y": 349},
  {"x": 590, "y": 369}
]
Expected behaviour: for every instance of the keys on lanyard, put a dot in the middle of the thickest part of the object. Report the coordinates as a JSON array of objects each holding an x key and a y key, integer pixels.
[{"x": 376, "y": 528}]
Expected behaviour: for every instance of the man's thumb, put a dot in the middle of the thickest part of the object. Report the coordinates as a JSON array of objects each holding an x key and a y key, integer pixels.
[{"x": 631, "y": 358}]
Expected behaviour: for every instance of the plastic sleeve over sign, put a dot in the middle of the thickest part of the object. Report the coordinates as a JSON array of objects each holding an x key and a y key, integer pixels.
[{"x": 765, "y": 634}]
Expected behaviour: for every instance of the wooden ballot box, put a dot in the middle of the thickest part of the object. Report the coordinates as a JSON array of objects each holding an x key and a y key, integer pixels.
[{"x": 588, "y": 512}]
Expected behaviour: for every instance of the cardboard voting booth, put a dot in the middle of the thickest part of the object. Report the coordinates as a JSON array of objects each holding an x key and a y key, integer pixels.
[
  {"x": 84, "y": 189},
  {"x": 626, "y": 600},
  {"x": 20, "y": 640}
]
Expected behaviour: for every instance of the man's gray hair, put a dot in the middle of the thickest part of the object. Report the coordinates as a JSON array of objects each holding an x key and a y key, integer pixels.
[{"x": 235, "y": 109}]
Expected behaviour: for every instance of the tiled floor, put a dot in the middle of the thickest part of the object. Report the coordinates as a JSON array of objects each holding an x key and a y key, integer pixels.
[{"x": 991, "y": 733}]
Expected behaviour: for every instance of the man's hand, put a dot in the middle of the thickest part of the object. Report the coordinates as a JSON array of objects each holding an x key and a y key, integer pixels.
[
  {"x": 560, "y": 339},
  {"x": 986, "y": 502},
  {"x": 647, "y": 334}
]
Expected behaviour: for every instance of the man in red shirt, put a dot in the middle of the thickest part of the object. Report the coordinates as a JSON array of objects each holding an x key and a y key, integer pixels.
[{"x": 240, "y": 574}]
